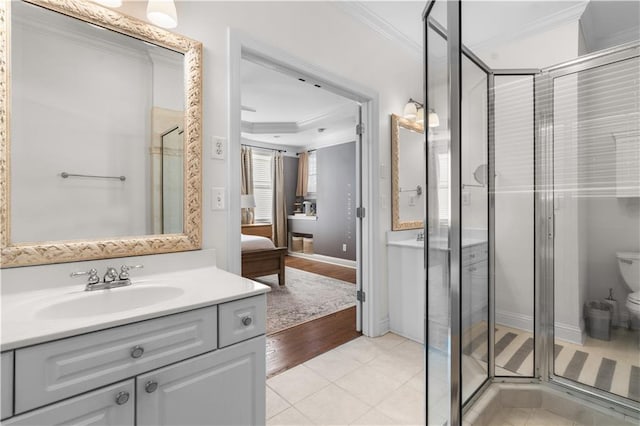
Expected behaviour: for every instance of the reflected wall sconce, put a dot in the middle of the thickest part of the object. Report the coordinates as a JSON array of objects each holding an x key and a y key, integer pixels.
[
  {"x": 414, "y": 111},
  {"x": 160, "y": 12}
]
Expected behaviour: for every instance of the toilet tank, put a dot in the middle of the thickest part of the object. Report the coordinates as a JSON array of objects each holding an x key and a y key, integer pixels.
[{"x": 629, "y": 264}]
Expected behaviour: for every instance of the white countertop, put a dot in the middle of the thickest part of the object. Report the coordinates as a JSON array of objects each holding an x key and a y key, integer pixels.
[
  {"x": 302, "y": 217},
  {"x": 206, "y": 286},
  {"x": 440, "y": 244}
]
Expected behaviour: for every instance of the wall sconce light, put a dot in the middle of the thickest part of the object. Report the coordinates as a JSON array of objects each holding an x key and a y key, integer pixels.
[
  {"x": 414, "y": 111},
  {"x": 162, "y": 13},
  {"x": 411, "y": 109}
]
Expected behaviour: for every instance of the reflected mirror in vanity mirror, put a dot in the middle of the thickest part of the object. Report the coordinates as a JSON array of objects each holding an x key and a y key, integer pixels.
[
  {"x": 101, "y": 157},
  {"x": 407, "y": 173}
]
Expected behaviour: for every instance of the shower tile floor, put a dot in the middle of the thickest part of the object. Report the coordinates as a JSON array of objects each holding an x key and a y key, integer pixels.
[
  {"x": 367, "y": 381},
  {"x": 613, "y": 366}
]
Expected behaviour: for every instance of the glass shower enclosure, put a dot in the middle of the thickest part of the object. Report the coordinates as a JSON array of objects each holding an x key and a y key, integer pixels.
[{"x": 518, "y": 170}]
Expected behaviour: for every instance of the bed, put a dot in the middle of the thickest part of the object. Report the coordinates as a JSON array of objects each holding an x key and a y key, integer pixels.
[{"x": 261, "y": 257}]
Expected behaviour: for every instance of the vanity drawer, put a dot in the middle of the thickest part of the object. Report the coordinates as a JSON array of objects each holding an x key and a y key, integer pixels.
[
  {"x": 473, "y": 254},
  {"x": 113, "y": 405},
  {"x": 52, "y": 371},
  {"x": 6, "y": 387},
  {"x": 242, "y": 319}
]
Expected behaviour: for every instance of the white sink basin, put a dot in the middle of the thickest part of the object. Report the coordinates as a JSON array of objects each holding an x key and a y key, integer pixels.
[{"x": 101, "y": 302}]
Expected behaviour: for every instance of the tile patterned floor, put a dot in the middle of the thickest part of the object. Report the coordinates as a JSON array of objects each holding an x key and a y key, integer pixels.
[{"x": 367, "y": 381}]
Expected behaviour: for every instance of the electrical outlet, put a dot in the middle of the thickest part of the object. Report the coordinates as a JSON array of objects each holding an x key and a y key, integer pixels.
[
  {"x": 344, "y": 247},
  {"x": 217, "y": 198},
  {"x": 412, "y": 201},
  {"x": 466, "y": 198},
  {"x": 217, "y": 147}
]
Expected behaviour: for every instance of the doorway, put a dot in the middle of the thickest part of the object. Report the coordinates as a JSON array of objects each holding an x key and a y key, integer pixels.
[{"x": 306, "y": 252}]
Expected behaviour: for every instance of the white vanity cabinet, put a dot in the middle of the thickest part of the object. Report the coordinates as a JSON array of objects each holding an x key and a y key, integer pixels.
[
  {"x": 6, "y": 387},
  {"x": 170, "y": 369},
  {"x": 224, "y": 387},
  {"x": 475, "y": 285}
]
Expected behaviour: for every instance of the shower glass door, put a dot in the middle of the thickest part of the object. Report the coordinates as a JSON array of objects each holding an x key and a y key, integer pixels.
[
  {"x": 441, "y": 382},
  {"x": 596, "y": 217}
]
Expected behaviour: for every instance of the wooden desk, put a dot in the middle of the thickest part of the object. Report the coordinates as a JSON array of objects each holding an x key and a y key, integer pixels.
[{"x": 260, "y": 229}]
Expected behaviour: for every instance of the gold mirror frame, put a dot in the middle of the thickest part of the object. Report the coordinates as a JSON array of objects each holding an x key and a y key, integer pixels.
[
  {"x": 396, "y": 123},
  {"x": 70, "y": 251}
]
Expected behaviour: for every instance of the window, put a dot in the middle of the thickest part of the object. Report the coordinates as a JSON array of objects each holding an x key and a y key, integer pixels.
[
  {"x": 312, "y": 181},
  {"x": 262, "y": 186},
  {"x": 443, "y": 186}
]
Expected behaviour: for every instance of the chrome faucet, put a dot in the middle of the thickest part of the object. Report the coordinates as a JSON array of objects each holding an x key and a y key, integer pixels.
[{"x": 111, "y": 279}]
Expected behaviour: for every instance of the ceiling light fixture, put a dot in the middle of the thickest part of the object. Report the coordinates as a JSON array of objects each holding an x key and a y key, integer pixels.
[{"x": 162, "y": 13}]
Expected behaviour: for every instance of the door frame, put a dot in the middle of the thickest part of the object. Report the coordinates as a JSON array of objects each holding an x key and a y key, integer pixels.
[{"x": 242, "y": 46}]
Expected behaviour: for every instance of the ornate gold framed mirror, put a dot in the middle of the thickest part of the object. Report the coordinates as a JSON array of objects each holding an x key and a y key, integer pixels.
[
  {"x": 100, "y": 135},
  {"x": 407, "y": 174}
]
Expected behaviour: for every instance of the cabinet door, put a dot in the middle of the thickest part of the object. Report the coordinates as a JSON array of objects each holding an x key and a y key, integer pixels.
[
  {"x": 6, "y": 384},
  {"x": 224, "y": 387},
  {"x": 110, "y": 406}
]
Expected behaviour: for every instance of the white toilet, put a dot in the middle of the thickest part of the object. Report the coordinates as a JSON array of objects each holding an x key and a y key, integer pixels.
[{"x": 629, "y": 264}]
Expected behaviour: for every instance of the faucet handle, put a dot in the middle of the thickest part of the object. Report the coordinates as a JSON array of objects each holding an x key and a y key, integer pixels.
[
  {"x": 111, "y": 275},
  {"x": 124, "y": 270},
  {"x": 93, "y": 275}
]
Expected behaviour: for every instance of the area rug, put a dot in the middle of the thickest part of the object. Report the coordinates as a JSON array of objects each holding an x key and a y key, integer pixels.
[{"x": 305, "y": 296}]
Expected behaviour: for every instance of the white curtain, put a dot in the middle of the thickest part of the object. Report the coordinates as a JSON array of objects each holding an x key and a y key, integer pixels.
[
  {"x": 246, "y": 186},
  {"x": 279, "y": 210},
  {"x": 303, "y": 174}
]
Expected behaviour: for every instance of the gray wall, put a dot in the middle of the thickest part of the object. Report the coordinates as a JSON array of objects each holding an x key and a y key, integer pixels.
[
  {"x": 335, "y": 202},
  {"x": 336, "y": 208},
  {"x": 290, "y": 181}
]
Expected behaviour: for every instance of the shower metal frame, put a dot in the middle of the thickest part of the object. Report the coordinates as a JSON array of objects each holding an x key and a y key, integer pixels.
[
  {"x": 545, "y": 237},
  {"x": 543, "y": 225}
]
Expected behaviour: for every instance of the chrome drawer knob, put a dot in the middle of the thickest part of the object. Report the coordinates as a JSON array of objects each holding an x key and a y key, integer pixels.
[
  {"x": 122, "y": 398},
  {"x": 137, "y": 351},
  {"x": 151, "y": 386},
  {"x": 247, "y": 321}
]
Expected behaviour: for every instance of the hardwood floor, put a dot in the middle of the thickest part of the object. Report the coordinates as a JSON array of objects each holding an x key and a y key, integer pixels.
[
  {"x": 295, "y": 345},
  {"x": 322, "y": 268}
]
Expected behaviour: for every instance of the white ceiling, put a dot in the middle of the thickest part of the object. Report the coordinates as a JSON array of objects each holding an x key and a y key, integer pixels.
[
  {"x": 290, "y": 112},
  {"x": 297, "y": 109}
]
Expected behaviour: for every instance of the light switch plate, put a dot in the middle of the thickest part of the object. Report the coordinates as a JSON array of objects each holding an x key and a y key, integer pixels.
[
  {"x": 217, "y": 198},
  {"x": 218, "y": 147}
]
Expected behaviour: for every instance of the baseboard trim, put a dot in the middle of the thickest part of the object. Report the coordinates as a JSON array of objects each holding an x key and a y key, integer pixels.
[
  {"x": 569, "y": 333},
  {"x": 383, "y": 328},
  {"x": 326, "y": 259},
  {"x": 515, "y": 320}
]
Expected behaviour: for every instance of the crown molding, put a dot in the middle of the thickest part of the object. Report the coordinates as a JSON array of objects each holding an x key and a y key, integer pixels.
[
  {"x": 361, "y": 13},
  {"x": 268, "y": 128},
  {"x": 565, "y": 16},
  {"x": 326, "y": 118}
]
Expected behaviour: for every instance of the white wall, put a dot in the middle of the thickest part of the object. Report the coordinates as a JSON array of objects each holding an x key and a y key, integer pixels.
[
  {"x": 514, "y": 239},
  {"x": 316, "y": 32}
]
